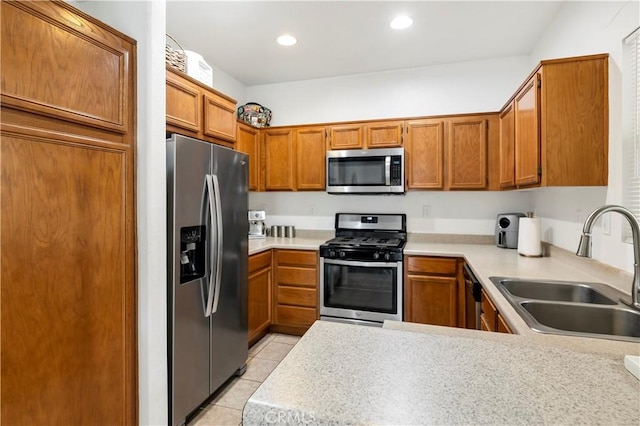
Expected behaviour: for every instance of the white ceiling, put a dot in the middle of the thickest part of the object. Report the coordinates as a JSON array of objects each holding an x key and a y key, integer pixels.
[{"x": 352, "y": 37}]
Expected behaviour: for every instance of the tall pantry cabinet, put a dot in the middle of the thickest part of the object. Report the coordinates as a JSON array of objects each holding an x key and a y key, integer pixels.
[{"x": 67, "y": 219}]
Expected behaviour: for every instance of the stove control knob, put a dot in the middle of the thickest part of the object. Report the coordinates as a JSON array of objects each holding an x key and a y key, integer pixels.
[
  {"x": 387, "y": 256},
  {"x": 342, "y": 254},
  {"x": 332, "y": 253},
  {"x": 376, "y": 255}
]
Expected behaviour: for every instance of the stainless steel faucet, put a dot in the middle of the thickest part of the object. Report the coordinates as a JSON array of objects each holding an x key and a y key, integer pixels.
[{"x": 584, "y": 248}]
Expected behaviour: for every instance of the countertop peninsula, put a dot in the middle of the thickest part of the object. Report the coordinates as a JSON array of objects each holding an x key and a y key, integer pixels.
[{"x": 409, "y": 373}]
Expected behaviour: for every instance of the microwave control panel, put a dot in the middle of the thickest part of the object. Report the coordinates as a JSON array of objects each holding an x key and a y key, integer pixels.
[{"x": 396, "y": 170}]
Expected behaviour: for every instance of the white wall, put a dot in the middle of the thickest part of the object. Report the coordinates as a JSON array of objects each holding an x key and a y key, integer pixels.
[
  {"x": 228, "y": 85},
  {"x": 585, "y": 28},
  {"x": 478, "y": 86},
  {"x": 448, "y": 212},
  {"x": 145, "y": 22}
]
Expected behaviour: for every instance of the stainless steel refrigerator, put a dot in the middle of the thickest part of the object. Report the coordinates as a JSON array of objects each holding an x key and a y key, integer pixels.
[{"x": 207, "y": 255}]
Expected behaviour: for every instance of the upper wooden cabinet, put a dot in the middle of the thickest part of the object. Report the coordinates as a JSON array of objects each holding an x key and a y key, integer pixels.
[
  {"x": 424, "y": 154},
  {"x": 199, "y": 111},
  {"x": 311, "y": 147},
  {"x": 248, "y": 141},
  {"x": 507, "y": 147},
  {"x": 467, "y": 153},
  {"x": 278, "y": 147},
  {"x": 294, "y": 158},
  {"x": 68, "y": 305},
  {"x": 452, "y": 152},
  {"x": 346, "y": 136},
  {"x": 526, "y": 106},
  {"x": 560, "y": 117},
  {"x": 384, "y": 134},
  {"x": 375, "y": 134}
]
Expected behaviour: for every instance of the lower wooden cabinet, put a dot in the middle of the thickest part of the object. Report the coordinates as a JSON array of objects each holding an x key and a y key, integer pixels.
[
  {"x": 432, "y": 293},
  {"x": 295, "y": 298},
  {"x": 259, "y": 299},
  {"x": 490, "y": 319}
]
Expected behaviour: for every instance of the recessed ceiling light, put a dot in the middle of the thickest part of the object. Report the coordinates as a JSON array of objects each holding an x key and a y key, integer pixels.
[
  {"x": 286, "y": 40},
  {"x": 401, "y": 22}
]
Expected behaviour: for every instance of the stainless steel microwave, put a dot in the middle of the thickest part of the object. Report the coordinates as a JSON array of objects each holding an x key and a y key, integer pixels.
[{"x": 365, "y": 171}]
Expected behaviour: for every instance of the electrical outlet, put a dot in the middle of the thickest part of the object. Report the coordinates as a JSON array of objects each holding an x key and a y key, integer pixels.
[
  {"x": 606, "y": 224},
  {"x": 426, "y": 210}
]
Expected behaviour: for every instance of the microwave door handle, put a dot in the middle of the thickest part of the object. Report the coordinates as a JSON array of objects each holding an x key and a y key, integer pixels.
[
  {"x": 219, "y": 242},
  {"x": 387, "y": 170}
]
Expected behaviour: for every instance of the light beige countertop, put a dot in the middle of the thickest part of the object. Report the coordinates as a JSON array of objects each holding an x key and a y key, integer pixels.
[
  {"x": 409, "y": 373},
  {"x": 347, "y": 374},
  {"x": 262, "y": 244}
]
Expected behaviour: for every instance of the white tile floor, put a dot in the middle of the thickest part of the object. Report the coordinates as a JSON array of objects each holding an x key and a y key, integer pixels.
[{"x": 226, "y": 408}]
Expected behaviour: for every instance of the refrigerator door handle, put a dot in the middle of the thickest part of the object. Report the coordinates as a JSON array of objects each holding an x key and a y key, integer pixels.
[
  {"x": 219, "y": 241},
  {"x": 210, "y": 292}
]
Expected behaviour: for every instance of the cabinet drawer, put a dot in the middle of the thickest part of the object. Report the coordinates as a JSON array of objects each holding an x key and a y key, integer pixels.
[
  {"x": 294, "y": 315},
  {"x": 295, "y": 276},
  {"x": 297, "y": 296},
  {"x": 259, "y": 261},
  {"x": 297, "y": 257},
  {"x": 432, "y": 265}
]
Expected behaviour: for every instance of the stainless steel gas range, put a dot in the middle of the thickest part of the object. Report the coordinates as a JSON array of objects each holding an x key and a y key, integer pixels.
[{"x": 361, "y": 269}]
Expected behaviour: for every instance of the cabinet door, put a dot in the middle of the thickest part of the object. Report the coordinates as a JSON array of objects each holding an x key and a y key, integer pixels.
[
  {"x": 67, "y": 299},
  {"x": 433, "y": 300},
  {"x": 259, "y": 302},
  {"x": 507, "y": 147},
  {"x": 279, "y": 159},
  {"x": 467, "y": 164},
  {"x": 219, "y": 117},
  {"x": 311, "y": 150},
  {"x": 184, "y": 105},
  {"x": 527, "y": 133},
  {"x": 424, "y": 154},
  {"x": 248, "y": 141},
  {"x": 348, "y": 136},
  {"x": 385, "y": 134}
]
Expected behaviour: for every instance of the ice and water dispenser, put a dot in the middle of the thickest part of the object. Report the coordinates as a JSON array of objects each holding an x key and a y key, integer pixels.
[{"x": 192, "y": 253}]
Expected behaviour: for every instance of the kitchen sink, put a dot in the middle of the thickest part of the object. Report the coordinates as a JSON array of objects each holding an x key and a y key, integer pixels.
[
  {"x": 580, "y": 318},
  {"x": 571, "y": 308},
  {"x": 558, "y": 291}
]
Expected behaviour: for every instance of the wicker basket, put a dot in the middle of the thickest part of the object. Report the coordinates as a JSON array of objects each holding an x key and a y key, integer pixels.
[{"x": 174, "y": 57}]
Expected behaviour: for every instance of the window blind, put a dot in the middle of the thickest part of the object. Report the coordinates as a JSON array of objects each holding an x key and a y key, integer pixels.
[{"x": 630, "y": 123}]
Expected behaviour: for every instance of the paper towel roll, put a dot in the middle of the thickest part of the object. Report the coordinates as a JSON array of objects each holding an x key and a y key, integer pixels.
[{"x": 529, "y": 237}]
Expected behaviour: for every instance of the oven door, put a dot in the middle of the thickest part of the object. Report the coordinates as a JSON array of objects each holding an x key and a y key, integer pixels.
[{"x": 365, "y": 291}]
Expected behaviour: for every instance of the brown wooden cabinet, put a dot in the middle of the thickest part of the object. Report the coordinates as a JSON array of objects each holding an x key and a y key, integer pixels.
[
  {"x": 561, "y": 124},
  {"x": 199, "y": 111},
  {"x": 278, "y": 147},
  {"x": 491, "y": 319},
  {"x": 311, "y": 147},
  {"x": 248, "y": 141},
  {"x": 67, "y": 144},
  {"x": 346, "y": 136},
  {"x": 432, "y": 290},
  {"x": 294, "y": 158},
  {"x": 452, "y": 152},
  {"x": 507, "y": 147},
  {"x": 363, "y": 135},
  {"x": 467, "y": 153},
  {"x": 424, "y": 154},
  {"x": 295, "y": 298},
  {"x": 259, "y": 298}
]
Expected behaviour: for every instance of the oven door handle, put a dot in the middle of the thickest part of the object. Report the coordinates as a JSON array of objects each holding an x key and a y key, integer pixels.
[{"x": 363, "y": 264}]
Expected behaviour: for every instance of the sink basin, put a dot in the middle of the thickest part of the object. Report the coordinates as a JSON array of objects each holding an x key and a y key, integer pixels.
[
  {"x": 571, "y": 308},
  {"x": 556, "y": 291},
  {"x": 604, "y": 320}
]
